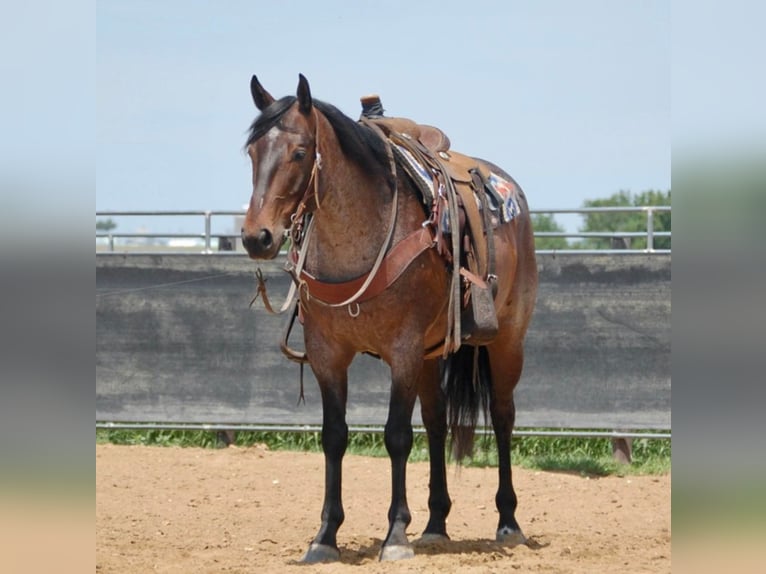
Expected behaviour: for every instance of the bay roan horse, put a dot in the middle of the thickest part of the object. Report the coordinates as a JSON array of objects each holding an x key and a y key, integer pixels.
[{"x": 311, "y": 162}]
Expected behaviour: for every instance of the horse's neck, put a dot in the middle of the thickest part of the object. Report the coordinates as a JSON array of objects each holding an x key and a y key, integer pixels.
[{"x": 351, "y": 222}]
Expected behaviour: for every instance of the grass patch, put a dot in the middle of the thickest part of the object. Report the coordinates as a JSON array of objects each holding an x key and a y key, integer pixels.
[{"x": 585, "y": 456}]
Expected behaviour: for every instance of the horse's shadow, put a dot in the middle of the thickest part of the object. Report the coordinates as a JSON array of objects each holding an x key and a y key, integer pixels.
[{"x": 371, "y": 549}]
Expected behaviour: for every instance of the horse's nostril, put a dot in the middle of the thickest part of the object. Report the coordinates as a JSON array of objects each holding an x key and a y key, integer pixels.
[
  {"x": 264, "y": 238},
  {"x": 258, "y": 244}
]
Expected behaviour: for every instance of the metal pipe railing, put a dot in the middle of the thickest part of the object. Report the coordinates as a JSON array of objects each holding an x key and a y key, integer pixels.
[
  {"x": 206, "y": 236},
  {"x": 650, "y": 229}
]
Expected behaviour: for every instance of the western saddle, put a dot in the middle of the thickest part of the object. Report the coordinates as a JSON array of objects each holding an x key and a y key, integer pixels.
[{"x": 460, "y": 202}]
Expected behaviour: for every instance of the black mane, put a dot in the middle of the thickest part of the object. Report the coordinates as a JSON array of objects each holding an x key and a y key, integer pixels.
[
  {"x": 357, "y": 141},
  {"x": 269, "y": 118}
]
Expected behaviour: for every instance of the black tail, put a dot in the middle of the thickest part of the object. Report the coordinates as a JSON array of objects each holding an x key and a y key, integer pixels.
[{"x": 467, "y": 383}]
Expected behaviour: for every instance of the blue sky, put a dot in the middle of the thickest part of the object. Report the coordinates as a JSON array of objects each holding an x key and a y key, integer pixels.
[{"x": 571, "y": 98}]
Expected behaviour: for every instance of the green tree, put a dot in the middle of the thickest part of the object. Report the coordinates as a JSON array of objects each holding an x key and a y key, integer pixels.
[
  {"x": 621, "y": 222},
  {"x": 105, "y": 225},
  {"x": 542, "y": 222}
]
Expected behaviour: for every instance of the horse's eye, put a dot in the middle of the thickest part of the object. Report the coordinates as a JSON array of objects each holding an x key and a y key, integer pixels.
[{"x": 299, "y": 154}]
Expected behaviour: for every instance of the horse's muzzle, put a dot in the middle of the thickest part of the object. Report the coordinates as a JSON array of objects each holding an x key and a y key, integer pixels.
[{"x": 260, "y": 245}]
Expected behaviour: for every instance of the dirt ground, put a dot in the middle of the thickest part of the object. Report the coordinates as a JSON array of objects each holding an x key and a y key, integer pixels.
[{"x": 252, "y": 510}]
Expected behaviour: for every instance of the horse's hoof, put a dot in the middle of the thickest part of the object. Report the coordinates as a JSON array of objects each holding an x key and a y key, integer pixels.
[
  {"x": 431, "y": 538},
  {"x": 510, "y": 538},
  {"x": 320, "y": 553},
  {"x": 398, "y": 552}
]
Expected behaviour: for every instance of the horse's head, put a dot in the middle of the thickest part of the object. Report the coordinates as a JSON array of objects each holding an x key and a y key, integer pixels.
[{"x": 282, "y": 148}]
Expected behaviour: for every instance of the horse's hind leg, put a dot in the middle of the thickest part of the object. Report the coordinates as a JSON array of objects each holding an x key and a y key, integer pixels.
[
  {"x": 434, "y": 413},
  {"x": 506, "y": 363}
]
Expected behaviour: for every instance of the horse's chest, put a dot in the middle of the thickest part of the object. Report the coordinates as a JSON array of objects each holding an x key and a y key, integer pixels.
[{"x": 350, "y": 321}]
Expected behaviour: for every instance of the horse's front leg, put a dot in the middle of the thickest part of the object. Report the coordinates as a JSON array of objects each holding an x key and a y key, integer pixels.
[
  {"x": 398, "y": 439},
  {"x": 333, "y": 384}
]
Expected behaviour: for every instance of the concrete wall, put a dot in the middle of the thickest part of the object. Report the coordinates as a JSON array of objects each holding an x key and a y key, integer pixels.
[{"x": 176, "y": 342}]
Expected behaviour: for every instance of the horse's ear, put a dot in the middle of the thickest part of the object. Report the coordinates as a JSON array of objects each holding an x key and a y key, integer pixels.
[
  {"x": 304, "y": 94},
  {"x": 261, "y": 97}
]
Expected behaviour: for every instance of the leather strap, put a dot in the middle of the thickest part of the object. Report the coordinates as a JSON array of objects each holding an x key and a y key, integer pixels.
[
  {"x": 473, "y": 278},
  {"x": 453, "y": 338},
  {"x": 476, "y": 226},
  {"x": 393, "y": 265},
  {"x": 481, "y": 185}
]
